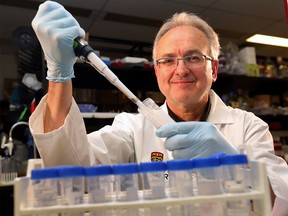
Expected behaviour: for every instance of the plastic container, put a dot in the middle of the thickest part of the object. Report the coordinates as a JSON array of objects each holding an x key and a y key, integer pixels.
[
  {"x": 99, "y": 187},
  {"x": 126, "y": 186},
  {"x": 126, "y": 181},
  {"x": 180, "y": 178},
  {"x": 154, "y": 113},
  {"x": 153, "y": 184},
  {"x": 259, "y": 196},
  {"x": 44, "y": 187},
  {"x": 71, "y": 180},
  {"x": 235, "y": 180},
  {"x": 153, "y": 179},
  {"x": 208, "y": 182},
  {"x": 180, "y": 175}
]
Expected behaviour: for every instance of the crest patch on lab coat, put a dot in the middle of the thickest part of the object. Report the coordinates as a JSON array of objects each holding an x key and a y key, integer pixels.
[{"x": 157, "y": 156}]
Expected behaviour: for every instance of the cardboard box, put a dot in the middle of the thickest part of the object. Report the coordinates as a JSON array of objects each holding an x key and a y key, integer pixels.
[
  {"x": 247, "y": 55},
  {"x": 262, "y": 101}
]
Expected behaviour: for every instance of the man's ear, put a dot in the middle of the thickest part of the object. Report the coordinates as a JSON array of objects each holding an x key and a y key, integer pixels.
[
  {"x": 155, "y": 70},
  {"x": 215, "y": 64}
]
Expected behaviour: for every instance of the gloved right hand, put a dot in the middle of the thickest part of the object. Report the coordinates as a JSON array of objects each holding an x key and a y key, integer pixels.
[
  {"x": 194, "y": 140},
  {"x": 56, "y": 30}
]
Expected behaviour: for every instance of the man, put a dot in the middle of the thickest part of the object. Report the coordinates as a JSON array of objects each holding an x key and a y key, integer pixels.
[{"x": 185, "y": 54}]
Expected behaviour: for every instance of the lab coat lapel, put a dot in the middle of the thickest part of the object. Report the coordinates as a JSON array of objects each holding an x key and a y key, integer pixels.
[{"x": 219, "y": 112}]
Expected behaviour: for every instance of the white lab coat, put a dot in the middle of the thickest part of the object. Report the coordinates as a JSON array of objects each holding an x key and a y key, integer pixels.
[{"x": 131, "y": 138}]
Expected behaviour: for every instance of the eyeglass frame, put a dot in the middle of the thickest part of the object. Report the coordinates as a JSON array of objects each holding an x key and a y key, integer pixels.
[{"x": 205, "y": 58}]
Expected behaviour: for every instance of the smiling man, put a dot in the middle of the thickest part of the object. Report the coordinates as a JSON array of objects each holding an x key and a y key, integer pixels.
[
  {"x": 185, "y": 71},
  {"x": 185, "y": 54}
]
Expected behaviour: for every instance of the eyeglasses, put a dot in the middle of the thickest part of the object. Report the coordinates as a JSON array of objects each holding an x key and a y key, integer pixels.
[{"x": 194, "y": 61}]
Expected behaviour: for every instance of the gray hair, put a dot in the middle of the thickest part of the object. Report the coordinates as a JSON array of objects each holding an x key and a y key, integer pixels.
[{"x": 189, "y": 19}]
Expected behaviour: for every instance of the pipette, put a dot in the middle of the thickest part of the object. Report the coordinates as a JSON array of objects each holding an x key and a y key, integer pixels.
[{"x": 147, "y": 108}]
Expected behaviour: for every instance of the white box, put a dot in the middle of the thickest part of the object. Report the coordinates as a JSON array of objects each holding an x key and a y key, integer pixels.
[{"x": 247, "y": 55}]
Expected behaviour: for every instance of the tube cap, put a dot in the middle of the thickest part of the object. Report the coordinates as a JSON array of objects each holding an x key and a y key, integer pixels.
[
  {"x": 44, "y": 173},
  {"x": 180, "y": 164},
  {"x": 152, "y": 166},
  {"x": 70, "y": 171},
  {"x": 120, "y": 169},
  {"x": 234, "y": 159},
  {"x": 98, "y": 170},
  {"x": 206, "y": 162}
]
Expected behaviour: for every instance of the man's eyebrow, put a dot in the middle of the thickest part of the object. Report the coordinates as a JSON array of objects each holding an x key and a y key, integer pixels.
[
  {"x": 186, "y": 53},
  {"x": 193, "y": 51},
  {"x": 167, "y": 55}
]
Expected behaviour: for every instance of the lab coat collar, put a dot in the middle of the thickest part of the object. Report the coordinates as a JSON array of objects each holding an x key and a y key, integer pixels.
[{"x": 219, "y": 112}]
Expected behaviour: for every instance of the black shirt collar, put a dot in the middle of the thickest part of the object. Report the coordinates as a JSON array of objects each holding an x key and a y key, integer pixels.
[{"x": 203, "y": 117}]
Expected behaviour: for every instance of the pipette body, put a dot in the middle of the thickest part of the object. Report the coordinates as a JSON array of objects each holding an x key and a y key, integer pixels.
[{"x": 149, "y": 109}]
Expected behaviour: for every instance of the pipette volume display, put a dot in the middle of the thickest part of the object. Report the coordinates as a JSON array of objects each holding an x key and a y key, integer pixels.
[{"x": 148, "y": 108}]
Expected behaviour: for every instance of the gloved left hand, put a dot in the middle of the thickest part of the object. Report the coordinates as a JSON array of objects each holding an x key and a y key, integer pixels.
[
  {"x": 56, "y": 30},
  {"x": 194, "y": 139}
]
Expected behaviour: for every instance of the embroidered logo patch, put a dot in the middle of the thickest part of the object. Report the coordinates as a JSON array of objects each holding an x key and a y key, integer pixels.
[{"x": 157, "y": 156}]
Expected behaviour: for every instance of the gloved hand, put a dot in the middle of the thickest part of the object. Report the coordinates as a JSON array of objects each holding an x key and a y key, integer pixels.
[
  {"x": 194, "y": 140},
  {"x": 56, "y": 30}
]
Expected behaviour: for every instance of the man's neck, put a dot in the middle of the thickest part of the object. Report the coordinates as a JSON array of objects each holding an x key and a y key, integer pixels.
[{"x": 191, "y": 116}]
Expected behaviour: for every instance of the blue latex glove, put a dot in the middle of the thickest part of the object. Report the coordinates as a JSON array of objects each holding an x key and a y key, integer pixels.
[
  {"x": 56, "y": 30},
  {"x": 194, "y": 140}
]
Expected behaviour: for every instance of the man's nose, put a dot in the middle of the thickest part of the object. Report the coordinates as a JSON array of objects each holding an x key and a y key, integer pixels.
[{"x": 181, "y": 69}]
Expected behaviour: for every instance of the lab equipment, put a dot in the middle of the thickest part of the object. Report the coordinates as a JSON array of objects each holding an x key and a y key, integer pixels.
[
  {"x": 14, "y": 163},
  {"x": 206, "y": 139},
  {"x": 180, "y": 177},
  {"x": 236, "y": 178},
  {"x": 44, "y": 188},
  {"x": 153, "y": 177},
  {"x": 8, "y": 171},
  {"x": 71, "y": 179},
  {"x": 99, "y": 187},
  {"x": 99, "y": 183},
  {"x": 147, "y": 108},
  {"x": 259, "y": 193},
  {"x": 208, "y": 180},
  {"x": 180, "y": 184},
  {"x": 126, "y": 186},
  {"x": 126, "y": 181},
  {"x": 153, "y": 183}
]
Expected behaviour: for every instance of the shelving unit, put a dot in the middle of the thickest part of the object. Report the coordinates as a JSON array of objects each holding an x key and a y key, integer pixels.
[
  {"x": 141, "y": 81},
  {"x": 259, "y": 194},
  {"x": 255, "y": 85}
]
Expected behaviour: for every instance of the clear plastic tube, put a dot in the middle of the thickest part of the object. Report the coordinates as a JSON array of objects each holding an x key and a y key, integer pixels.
[
  {"x": 235, "y": 177},
  {"x": 153, "y": 183},
  {"x": 154, "y": 113},
  {"x": 44, "y": 188},
  {"x": 71, "y": 180},
  {"x": 180, "y": 184},
  {"x": 126, "y": 186},
  {"x": 100, "y": 187},
  {"x": 208, "y": 174}
]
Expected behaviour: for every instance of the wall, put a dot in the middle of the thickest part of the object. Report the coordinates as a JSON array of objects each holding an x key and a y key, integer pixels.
[{"x": 8, "y": 70}]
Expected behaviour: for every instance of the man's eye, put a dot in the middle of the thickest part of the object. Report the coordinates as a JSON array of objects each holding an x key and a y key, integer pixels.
[
  {"x": 168, "y": 61},
  {"x": 194, "y": 58}
]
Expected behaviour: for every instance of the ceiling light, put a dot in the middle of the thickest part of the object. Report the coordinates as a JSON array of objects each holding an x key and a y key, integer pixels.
[{"x": 269, "y": 40}]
